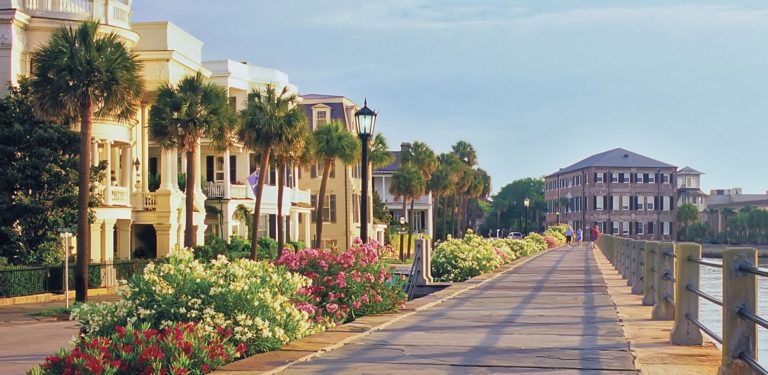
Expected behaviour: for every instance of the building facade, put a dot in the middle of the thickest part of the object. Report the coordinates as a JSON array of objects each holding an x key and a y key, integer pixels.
[
  {"x": 689, "y": 188},
  {"x": 341, "y": 212},
  {"x": 423, "y": 215},
  {"x": 623, "y": 193},
  {"x": 142, "y": 210}
]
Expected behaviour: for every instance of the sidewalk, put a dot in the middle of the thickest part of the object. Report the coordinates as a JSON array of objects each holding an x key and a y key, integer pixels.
[{"x": 11, "y": 315}]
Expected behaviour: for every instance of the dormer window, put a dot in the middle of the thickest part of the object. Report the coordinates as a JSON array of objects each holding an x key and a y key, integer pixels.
[{"x": 321, "y": 115}]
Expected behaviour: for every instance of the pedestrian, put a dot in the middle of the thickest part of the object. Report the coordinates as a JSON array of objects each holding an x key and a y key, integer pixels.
[
  {"x": 568, "y": 234},
  {"x": 579, "y": 236},
  {"x": 595, "y": 234}
]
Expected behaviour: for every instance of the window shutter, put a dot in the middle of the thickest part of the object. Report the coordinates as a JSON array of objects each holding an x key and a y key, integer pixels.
[
  {"x": 656, "y": 204},
  {"x": 658, "y": 178},
  {"x": 333, "y": 170},
  {"x": 232, "y": 169},
  {"x": 645, "y": 178},
  {"x": 610, "y": 202},
  {"x": 632, "y": 178},
  {"x": 209, "y": 168},
  {"x": 650, "y": 227},
  {"x": 333, "y": 207},
  {"x": 671, "y": 202}
]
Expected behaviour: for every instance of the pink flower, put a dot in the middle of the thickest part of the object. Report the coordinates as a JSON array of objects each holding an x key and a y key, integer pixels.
[
  {"x": 332, "y": 307},
  {"x": 356, "y": 304}
]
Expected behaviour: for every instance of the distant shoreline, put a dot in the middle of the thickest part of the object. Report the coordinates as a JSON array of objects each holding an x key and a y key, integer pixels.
[{"x": 716, "y": 251}]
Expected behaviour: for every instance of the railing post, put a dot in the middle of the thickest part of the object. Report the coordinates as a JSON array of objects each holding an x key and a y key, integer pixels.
[
  {"x": 684, "y": 332},
  {"x": 739, "y": 293},
  {"x": 423, "y": 254},
  {"x": 649, "y": 273},
  {"x": 622, "y": 257},
  {"x": 664, "y": 309},
  {"x": 639, "y": 274},
  {"x": 631, "y": 260}
]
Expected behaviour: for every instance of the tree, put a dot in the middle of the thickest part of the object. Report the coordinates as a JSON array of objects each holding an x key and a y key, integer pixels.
[
  {"x": 509, "y": 200},
  {"x": 77, "y": 75},
  {"x": 379, "y": 155},
  {"x": 266, "y": 120},
  {"x": 687, "y": 214},
  {"x": 407, "y": 182},
  {"x": 439, "y": 184},
  {"x": 332, "y": 142},
  {"x": 450, "y": 166},
  {"x": 381, "y": 213},
  {"x": 180, "y": 117},
  {"x": 290, "y": 150},
  {"x": 424, "y": 160},
  {"x": 467, "y": 154}
]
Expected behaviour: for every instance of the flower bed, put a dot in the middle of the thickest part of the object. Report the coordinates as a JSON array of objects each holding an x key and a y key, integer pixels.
[
  {"x": 127, "y": 350},
  {"x": 346, "y": 285}
]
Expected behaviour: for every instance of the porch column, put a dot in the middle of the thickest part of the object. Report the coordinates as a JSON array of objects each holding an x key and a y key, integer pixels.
[
  {"x": 166, "y": 171},
  {"x": 175, "y": 169},
  {"x": 294, "y": 225},
  {"x": 125, "y": 167},
  {"x": 166, "y": 238},
  {"x": 199, "y": 173},
  {"x": 144, "y": 149},
  {"x": 124, "y": 249},
  {"x": 226, "y": 176},
  {"x": 108, "y": 178},
  {"x": 430, "y": 223},
  {"x": 307, "y": 224},
  {"x": 96, "y": 241},
  {"x": 94, "y": 152},
  {"x": 108, "y": 240}
]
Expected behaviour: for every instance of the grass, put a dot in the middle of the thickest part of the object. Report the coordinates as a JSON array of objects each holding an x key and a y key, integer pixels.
[{"x": 54, "y": 312}]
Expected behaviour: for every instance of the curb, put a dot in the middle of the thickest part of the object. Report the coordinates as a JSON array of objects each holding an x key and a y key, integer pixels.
[
  {"x": 313, "y": 346},
  {"x": 49, "y": 297}
]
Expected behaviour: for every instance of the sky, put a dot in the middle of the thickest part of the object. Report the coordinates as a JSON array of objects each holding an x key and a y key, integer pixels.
[{"x": 533, "y": 85}]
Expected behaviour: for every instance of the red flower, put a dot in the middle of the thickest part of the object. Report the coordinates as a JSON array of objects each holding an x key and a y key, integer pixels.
[{"x": 241, "y": 348}]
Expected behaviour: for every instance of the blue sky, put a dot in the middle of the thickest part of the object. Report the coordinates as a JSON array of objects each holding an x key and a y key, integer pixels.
[{"x": 533, "y": 85}]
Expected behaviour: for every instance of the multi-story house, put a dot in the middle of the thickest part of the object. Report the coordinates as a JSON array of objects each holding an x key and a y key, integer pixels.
[
  {"x": 621, "y": 192},
  {"x": 724, "y": 202},
  {"x": 689, "y": 188},
  {"x": 341, "y": 212},
  {"x": 422, "y": 217},
  {"x": 142, "y": 210}
]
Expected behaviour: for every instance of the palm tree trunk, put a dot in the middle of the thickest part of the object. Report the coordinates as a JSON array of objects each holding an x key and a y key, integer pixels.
[
  {"x": 280, "y": 191},
  {"x": 321, "y": 204},
  {"x": 411, "y": 229},
  {"x": 454, "y": 198},
  {"x": 189, "y": 226},
  {"x": 257, "y": 206},
  {"x": 435, "y": 204},
  {"x": 83, "y": 227},
  {"x": 445, "y": 218}
]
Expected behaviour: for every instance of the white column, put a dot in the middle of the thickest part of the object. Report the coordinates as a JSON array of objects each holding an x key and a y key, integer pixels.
[
  {"x": 226, "y": 174},
  {"x": 295, "y": 225},
  {"x": 125, "y": 167},
  {"x": 430, "y": 224},
  {"x": 175, "y": 169},
  {"x": 199, "y": 173},
  {"x": 108, "y": 178},
  {"x": 144, "y": 149},
  {"x": 166, "y": 170},
  {"x": 307, "y": 224},
  {"x": 94, "y": 152},
  {"x": 184, "y": 161}
]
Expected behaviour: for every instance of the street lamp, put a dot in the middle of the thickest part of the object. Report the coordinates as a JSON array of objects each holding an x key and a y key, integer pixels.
[
  {"x": 526, "y": 203},
  {"x": 402, "y": 232},
  {"x": 65, "y": 239},
  {"x": 558, "y": 217},
  {"x": 366, "y": 122}
]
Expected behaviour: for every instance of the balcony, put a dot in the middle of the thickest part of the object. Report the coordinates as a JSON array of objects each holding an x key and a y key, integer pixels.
[
  {"x": 217, "y": 189},
  {"x": 390, "y": 199},
  {"x": 301, "y": 196},
  {"x": 149, "y": 201},
  {"x": 109, "y": 12},
  {"x": 115, "y": 195}
]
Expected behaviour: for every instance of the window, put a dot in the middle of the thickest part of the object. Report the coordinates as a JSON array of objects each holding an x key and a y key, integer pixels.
[
  {"x": 599, "y": 199},
  {"x": 639, "y": 178},
  {"x": 601, "y": 226},
  {"x": 665, "y": 203},
  {"x": 665, "y": 178},
  {"x": 322, "y": 118},
  {"x": 624, "y": 178},
  {"x": 614, "y": 177},
  {"x": 639, "y": 228},
  {"x": 650, "y": 227},
  {"x": 665, "y": 228},
  {"x": 615, "y": 228},
  {"x": 232, "y": 169},
  {"x": 615, "y": 204},
  {"x": 625, "y": 203},
  {"x": 625, "y": 228},
  {"x": 639, "y": 203},
  {"x": 649, "y": 203},
  {"x": 219, "y": 168},
  {"x": 329, "y": 209},
  {"x": 599, "y": 178},
  {"x": 355, "y": 208},
  {"x": 651, "y": 178}
]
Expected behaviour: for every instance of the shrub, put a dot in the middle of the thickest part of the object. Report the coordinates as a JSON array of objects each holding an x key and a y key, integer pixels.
[
  {"x": 557, "y": 232},
  {"x": 253, "y": 299},
  {"x": 267, "y": 249},
  {"x": 127, "y": 350},
  {"x": 346, "y": 285},
  {"x": 537, "y": 240},
  {"x": 551, "y": 242},
  {"x": 459, "y": 260}
]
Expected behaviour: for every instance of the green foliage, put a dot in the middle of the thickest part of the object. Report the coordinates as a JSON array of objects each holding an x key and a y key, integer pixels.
[
  {"x": 394, "y": 239},
  {"x": 237, "y": 248},
  {"x": 381, "y": 213},
  {"x": 181, "y": 180},
  {"x": 267, "y": 248},
  {"x": 462, "y": 259},
  {"x": 509, "y": 209},
  {"x": 153, "y": 182}
]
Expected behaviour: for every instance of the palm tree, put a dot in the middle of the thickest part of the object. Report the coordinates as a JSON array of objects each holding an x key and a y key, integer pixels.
[
  {"x": 439, "y": 184},
  {"x": 467, "y": 154},
  {"x": 332, "y": 142},
  {"x": 291, "y": 150},
  {"x": 405, "y": 184},
  {"x": 450, "y": 165},
  {"x": 379, "y": 156},
  {"x": 267, "y": 120},
  {"x": 424, "y": 160},
  {"x": 180, "y": 117},
  {"x": 77, "y": 75}
]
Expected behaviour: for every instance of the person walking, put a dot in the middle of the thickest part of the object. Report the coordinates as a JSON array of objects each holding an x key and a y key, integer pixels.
[
  {"x": 568, "y": 235},
  {"x": 579, "y": 236},
  {"x": 595, "y": 234}
]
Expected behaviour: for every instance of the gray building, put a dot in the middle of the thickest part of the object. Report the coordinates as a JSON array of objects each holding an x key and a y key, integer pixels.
[{"x": 622, "y": 192}]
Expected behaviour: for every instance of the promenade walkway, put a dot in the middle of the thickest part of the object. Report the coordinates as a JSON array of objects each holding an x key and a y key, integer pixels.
[{"x": 552, "y": 315}]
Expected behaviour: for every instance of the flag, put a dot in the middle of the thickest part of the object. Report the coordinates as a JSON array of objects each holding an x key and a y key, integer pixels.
[{"x": 253, "y": 180}]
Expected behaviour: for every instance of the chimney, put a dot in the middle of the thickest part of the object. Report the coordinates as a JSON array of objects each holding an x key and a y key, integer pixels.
[{"x": 405, "y": 146}]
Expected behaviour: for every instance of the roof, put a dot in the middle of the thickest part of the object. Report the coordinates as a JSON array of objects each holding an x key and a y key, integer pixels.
[
  {"x": 689, "y": 170},
  {"x": 320, "y": 96},
  {"x": 393, "y": 166},
  {"x": 616, "y": 158}
]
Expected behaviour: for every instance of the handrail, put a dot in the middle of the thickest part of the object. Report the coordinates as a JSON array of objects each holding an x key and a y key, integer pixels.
[
  {"x": 704, "y": 328},
  {"x": 670, "y": 281}
]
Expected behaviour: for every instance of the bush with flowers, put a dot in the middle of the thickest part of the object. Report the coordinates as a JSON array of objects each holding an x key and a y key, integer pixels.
[
  {"x": 557, "y": 232},
  {"x": 184, "y": 348},
  {"x": 255, "y": 300},
  {"x": 345, "y": 285},
  {"x": 538, "y": 242},
  {"x": 461, "y": 259}
]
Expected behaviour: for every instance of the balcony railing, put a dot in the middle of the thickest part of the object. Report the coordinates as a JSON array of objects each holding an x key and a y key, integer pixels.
[
  {"x": 110, "y": 12},
  {"x": 217, "y": 190},
  {"x": 301, "y": 196},
  {"x": 150, "y": 201},
  {"x": 119, "y": 195}
]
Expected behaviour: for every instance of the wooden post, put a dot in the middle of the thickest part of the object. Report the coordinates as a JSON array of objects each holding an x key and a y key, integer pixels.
[
  {"x": 622, "y": 257},
  {"x": 664, "y": 309},
  {"x": 649, "y": 273},
  {"x": 684, "y": 332},
  {"x": 424, "y": 277},
  {"x": 739, "y": 292},
  {"x": 631, "y": 259},
  {"x": 637, "y": 271}
]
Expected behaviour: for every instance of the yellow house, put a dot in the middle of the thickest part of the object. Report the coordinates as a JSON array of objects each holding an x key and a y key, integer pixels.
[
  {"x": 341, "y": 216},
  {"x": 142, "y": 211}
]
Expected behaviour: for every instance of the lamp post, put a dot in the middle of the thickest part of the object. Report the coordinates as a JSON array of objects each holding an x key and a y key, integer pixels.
[
  {"x": 65, "y": 238},
  {"x": 526, "y": 203},
  {"x": 402, "y": 232},
  {"x": 558, "y": 217},
  {"x": 365, "y": 122}
]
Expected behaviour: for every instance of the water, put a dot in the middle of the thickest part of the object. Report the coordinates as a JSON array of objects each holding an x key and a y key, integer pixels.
[{"x": 711, "y": 314}]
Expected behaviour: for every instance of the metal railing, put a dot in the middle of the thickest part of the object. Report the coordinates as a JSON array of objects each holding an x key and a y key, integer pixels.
[{"x": 667, "y": 275}]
